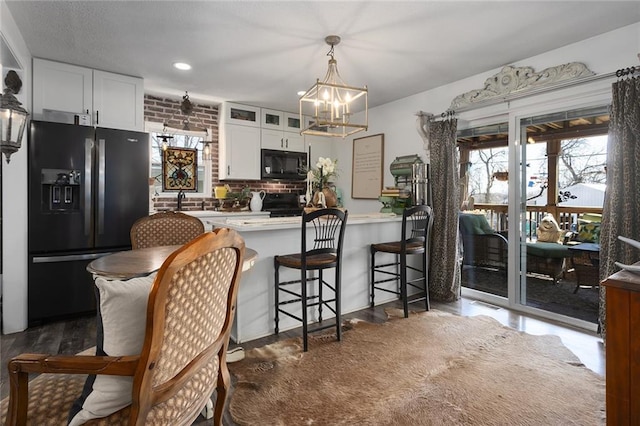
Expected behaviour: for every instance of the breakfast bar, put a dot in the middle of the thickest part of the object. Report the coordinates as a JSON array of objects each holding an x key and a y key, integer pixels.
[{"x": 274, "y": 236}]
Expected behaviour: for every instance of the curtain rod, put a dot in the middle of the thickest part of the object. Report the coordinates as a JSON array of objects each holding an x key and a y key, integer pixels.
[{"x": 626, "y": 71}]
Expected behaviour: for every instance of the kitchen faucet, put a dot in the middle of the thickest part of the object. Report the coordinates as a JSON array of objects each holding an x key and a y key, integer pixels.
[{"x": 181, "y": 195}]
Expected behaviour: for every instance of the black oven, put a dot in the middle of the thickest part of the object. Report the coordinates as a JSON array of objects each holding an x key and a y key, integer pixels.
[
  {"x": 282, "y": 204},
  {"x": 283, "y": 165}
]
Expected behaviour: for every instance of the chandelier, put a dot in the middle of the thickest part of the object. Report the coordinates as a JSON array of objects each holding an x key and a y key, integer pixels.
[
  {"x": 184, "y": 116},
  {"x": 330, "y": 104},
  {"x": 13, "y": 118}
]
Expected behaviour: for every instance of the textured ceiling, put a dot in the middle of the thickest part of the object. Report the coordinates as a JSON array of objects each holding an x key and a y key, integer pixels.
[{"x": 263, "y": 53}]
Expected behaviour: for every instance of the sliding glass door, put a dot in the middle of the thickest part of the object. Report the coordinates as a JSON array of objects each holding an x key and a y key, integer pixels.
[
  {"x": 548, "y": 174},
  {"x": 484, "y": 158},
  {"x": 562, "y": 182}
]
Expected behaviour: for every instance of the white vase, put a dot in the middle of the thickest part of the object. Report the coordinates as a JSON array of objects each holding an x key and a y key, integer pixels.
[{"x": 256, "y": 201}]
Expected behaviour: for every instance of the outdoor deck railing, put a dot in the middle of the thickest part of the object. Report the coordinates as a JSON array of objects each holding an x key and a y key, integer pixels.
[{"x": 567, "y": 217}]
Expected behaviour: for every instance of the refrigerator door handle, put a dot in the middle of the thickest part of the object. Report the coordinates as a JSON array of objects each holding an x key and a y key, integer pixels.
[
  {"x": 68, "y": 258},
  {"x": 101, "y": 184},
  {"x": 88, "y": 148}
]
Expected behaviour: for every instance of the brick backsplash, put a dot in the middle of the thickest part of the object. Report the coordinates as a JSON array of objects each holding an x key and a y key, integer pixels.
[{"x": 159, "y": 109}]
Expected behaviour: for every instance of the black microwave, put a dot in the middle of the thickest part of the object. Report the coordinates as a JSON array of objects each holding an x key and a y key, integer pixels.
[{"x": 283, "y": 165}]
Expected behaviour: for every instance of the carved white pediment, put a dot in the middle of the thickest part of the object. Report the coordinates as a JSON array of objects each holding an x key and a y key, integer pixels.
[{"x": 511, "y": 80}]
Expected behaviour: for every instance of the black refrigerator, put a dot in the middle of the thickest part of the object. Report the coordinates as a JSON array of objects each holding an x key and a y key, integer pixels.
[{"x": 86, "y": 188}]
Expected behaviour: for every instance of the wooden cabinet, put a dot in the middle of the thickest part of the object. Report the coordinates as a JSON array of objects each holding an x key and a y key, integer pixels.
[
  {"x": 292, "y": 122},
  {"x": 272, "y": 119},
  {"x": 61, "y": 87},
  {"x": 623, "y": 348},
  {"x": 118, "y": 101},
  {"x": 110, "y": 100},
  {"x": 284, "y": 141},
  {"x": 239, "y": 142},
  {"x": 281, "y": 131},
  {"x": 239, "y": 152},
  {"x": 245, "y": 130},
  {"x": 243, "y": 115}
]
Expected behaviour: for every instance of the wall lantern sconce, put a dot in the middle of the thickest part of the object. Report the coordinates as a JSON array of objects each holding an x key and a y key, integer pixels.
[
  {"x": 330, "y": 103},
  {"x": 207, "y": 154},
  {"x": 13, "y": 118}
]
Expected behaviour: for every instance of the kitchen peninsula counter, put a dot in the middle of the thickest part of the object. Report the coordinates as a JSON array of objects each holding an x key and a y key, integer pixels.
[
  {"x": 276, "y": 236},
  {"x": 275, "y": 223}
]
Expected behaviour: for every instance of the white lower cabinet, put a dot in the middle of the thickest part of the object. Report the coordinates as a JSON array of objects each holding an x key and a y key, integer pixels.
[{"x": 239, "y": 152}]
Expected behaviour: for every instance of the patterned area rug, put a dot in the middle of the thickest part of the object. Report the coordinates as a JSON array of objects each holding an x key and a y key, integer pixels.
[
  {"x": 541, "y": 292},
  {"x": 432, "y": 368}
]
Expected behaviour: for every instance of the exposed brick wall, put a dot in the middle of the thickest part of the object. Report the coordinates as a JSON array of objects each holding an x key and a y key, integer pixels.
[{"x": 159, "y": 109}]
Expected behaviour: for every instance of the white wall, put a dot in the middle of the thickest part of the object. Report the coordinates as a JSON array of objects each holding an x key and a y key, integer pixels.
[
  {"x": 14, "y": 195},
  {"x": 602, "y": 54}
]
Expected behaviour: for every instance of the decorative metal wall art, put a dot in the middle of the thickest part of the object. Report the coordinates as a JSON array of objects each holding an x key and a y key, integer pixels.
[{"x": 180, "y": 169}]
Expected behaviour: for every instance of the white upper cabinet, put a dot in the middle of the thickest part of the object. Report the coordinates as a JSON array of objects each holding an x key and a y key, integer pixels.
[
  {"x": 281, "y": 131},
  {"x": 108, "y": 99},
  {"x": 118, "y": 101},
  {"x": 272, "y": 119},
  {"x": 244, "y": 115},
  {"x": 239, "y": 152},
  {"x": 239, "y": 142},
  {"x": 61, "y": 87},
  {"x": 292, "y": 122}
]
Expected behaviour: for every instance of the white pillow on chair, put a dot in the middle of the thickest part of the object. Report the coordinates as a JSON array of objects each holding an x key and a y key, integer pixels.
[{"x": 122, "y": 310}]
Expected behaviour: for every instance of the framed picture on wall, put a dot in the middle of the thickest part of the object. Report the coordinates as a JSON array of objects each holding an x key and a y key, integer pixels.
[
  {"x": 180, "y": 169},
  {"x": 366, "y": 171}
]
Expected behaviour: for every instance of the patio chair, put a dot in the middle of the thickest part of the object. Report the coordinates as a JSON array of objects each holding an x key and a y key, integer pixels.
[
  {"x": 486, "y": 248},
  {"x": 483, "y": 247}
]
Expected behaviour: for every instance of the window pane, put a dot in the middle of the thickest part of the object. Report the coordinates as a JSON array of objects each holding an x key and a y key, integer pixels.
[{"x": 582, "y": 178}]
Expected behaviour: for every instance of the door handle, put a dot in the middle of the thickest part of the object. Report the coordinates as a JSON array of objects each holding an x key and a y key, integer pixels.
[
  {"x": 68, "y": 258},
  {"x": 97, "y": 117},
  {"x": 87, "y": 207},
  {"x": 101, "y": 184}
]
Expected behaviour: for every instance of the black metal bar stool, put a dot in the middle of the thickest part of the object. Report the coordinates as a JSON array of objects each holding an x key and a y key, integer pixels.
[
  {"x": 416, "y": 231},
  {"x": 324, "y": 251}
]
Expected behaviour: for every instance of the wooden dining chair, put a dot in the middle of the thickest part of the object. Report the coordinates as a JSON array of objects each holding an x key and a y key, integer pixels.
[
  {"x": 165, "y": 229},
  {"x": 189, "y": 314}
]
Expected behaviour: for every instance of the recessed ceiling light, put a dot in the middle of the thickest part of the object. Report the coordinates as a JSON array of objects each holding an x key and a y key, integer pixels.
[
  {"x": 182, "y": 66},
  {"x": 301, "y": 92}
]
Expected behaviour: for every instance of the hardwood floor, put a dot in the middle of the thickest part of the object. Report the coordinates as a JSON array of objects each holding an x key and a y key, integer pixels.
[{"x": 72, "y": 336}]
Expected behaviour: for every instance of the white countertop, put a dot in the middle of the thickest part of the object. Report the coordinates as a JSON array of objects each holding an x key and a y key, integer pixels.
[
  {"x": 274, "y": 223},
  {"x": 216, "y": 213}
]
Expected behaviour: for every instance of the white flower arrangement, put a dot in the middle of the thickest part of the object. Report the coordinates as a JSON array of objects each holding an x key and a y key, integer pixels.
[{"x": 325, "y": 171}]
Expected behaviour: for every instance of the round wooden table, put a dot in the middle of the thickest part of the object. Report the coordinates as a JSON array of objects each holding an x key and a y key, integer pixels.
[{"x": 142, "y": 262}]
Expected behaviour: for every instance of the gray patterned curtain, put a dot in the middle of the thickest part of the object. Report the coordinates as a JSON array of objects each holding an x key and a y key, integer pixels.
[
  {"x": 621, "y": 211},
  {"x": 444, "y": 273}
]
